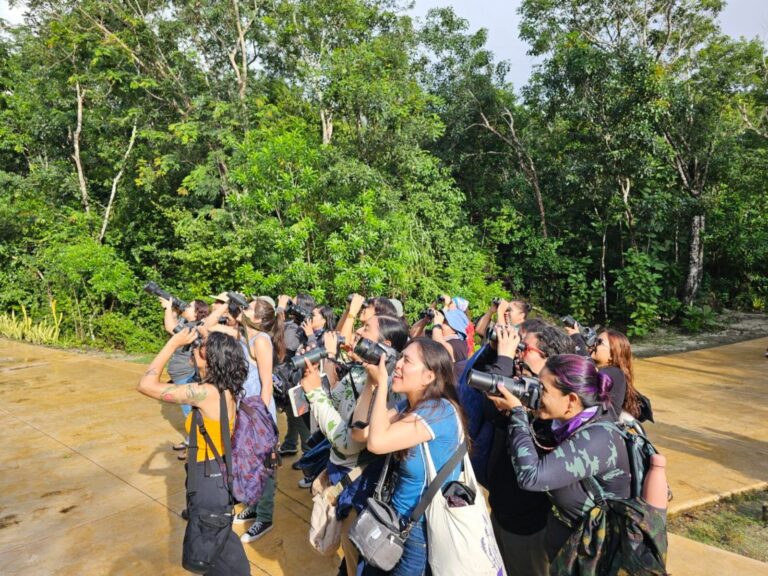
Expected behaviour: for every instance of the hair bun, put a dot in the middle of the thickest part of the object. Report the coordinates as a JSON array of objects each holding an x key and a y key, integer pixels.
[{"x": 604, "y": 386}]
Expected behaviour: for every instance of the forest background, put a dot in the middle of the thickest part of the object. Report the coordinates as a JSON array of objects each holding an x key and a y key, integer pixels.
[{"x": 338, "y": 146}]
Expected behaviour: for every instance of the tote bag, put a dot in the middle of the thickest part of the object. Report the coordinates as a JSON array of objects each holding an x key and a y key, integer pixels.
[{"x": 461, "y": 539}]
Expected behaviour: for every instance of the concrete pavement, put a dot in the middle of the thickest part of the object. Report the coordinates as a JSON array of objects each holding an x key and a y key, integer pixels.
[{"x": 91, "y": 486}]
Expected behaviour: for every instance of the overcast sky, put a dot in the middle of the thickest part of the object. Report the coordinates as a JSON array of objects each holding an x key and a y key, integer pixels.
[{"x": 747, "y": 18}]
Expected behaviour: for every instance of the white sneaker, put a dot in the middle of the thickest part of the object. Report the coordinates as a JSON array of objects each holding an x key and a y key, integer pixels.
[
  {"x": 256, "y": 531},
  {"x": 306, "y": 482}
]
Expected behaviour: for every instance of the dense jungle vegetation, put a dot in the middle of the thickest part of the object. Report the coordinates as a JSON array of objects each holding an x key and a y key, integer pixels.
[{"x": 335, "y": 146}]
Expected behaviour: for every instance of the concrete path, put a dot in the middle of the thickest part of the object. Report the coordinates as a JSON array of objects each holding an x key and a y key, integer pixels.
[{"x": 90, "y": 484}]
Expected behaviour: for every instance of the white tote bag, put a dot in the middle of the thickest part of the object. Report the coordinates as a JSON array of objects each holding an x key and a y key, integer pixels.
[{"x": 460, "y": 540}]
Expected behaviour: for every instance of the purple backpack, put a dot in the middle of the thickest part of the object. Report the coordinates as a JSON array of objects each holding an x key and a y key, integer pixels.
[{"x": 254, "y": 449}]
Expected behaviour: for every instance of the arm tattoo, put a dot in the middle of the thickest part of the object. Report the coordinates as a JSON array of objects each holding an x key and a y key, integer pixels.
[
  {"x": 167, "y": 394},
  {"x": 195, "y": 393},
  {"x": 151, "y": 372}
]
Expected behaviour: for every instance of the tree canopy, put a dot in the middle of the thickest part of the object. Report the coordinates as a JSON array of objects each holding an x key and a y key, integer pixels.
[{"x": 340, "y": 146}]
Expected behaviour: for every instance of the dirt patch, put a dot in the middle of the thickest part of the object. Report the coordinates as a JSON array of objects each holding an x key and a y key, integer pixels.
[
  {"x": 9, "y": 520},
  {"x": 67, "y": 509},
  {"x": 734, "y": 524},
  {"x": 732, "y": 327}
]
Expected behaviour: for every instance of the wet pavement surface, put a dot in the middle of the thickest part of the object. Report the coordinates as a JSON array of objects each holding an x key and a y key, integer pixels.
[{"x": 90, "y": 484}]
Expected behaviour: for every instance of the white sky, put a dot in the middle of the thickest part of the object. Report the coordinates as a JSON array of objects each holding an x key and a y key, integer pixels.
[{"x": 748, "y": 18}]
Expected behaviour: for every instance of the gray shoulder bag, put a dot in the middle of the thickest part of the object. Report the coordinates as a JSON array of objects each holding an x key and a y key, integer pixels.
[{"x": 379, "y": 532}]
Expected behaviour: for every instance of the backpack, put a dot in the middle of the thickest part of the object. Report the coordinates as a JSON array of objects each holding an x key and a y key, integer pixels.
[
  {"x": 254, "y": 449},
  {"x": 618, "y": 536}
]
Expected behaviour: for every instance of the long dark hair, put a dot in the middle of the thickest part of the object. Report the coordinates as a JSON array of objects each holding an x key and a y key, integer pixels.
[
  {"x": 436, "y": 359},
  {"x": 329, "y": 316},
  {"x": 393, "y": 329},
  {"x": 578, "y": 374},
  {"x": 226, "y": 365}
]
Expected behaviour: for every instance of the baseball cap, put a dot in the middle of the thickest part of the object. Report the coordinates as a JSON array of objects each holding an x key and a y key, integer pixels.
[
  {"x": 398, "y": 306},
  {"x": 223, "y": 297},
  {"x": 268, "y": 299},
  {"x": 457, "y": 320},
  {"x": 461, "y": 303}
]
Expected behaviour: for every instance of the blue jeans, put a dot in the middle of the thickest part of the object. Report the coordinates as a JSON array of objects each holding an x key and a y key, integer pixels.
[{"x": 415, "y": 560}]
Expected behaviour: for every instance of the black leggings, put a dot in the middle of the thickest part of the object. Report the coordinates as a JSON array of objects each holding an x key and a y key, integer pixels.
[{"x": 212, "y": 494}]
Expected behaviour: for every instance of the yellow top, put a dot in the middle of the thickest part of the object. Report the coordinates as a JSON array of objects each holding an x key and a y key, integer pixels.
[{"x": 213, "y": 428}]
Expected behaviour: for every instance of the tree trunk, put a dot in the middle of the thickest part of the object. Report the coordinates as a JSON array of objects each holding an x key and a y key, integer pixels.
[
  {"x": 115, "y": 181},
  {"x": 326, "y": 119},
  {"x": 695, "y": 260},
  {"x": 76, "y": 146}
]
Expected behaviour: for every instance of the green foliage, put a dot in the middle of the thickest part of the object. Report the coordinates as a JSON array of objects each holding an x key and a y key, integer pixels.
[
  {"x": 334, "y": 146},
  {"x": 639, "y": 289},
  {"x": 25, "y": 328},
  {"x": 698, "y": 319}
]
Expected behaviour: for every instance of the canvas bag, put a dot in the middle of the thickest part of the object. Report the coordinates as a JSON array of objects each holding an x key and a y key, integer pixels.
[
  {"x": 254, "y": 449},
  {"x": 324, "y": 527},
  {"x": 461, "y": 539}
]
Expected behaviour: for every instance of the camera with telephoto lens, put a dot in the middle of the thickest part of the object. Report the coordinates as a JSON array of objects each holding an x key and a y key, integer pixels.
[
  {"x": 314, "y": 356},
  {"x": 527, "y": 389},
  {"x": 238, "y": 300},
  {"x": 155, "y": 290},
  {"x": 589, "y": 334},
  {"x": 370, "y": 352},
  {"x": 297, "y": 312}
]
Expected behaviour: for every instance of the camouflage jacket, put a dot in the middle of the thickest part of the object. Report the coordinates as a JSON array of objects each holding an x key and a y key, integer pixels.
[{"x": 592, "y": 451}]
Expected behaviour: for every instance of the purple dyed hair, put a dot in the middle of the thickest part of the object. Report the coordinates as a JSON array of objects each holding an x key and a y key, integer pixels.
[{"x": 578, "y": 374}]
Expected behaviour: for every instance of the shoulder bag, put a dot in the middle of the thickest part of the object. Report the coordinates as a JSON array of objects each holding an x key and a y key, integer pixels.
[{"x": 207, "y": 530}]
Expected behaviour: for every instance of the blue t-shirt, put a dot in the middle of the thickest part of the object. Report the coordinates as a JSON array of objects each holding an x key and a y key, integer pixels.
[
  {"x": 440, "y": 418},
  {"x": 252, "y": 384}
]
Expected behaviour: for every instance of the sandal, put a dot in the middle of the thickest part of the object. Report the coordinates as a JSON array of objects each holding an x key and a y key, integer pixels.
[
  {"x": 180, "y": 446},
  {"x": 182, "y": 455}
]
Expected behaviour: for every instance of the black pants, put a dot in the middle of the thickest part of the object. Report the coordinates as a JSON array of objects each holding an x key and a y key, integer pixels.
[{"x": 211, "y": 493}]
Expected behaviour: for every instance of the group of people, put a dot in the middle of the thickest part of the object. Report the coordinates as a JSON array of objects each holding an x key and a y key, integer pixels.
[{"x": 533, "y": 462}]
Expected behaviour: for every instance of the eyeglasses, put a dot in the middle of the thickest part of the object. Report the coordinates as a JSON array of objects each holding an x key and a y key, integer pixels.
[
  {"x": 531, "y": 348},
  {"x": 600, "y": 342}
]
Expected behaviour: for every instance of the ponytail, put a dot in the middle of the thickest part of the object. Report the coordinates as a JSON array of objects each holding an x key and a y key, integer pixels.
[{"x": 604, "y": 386}]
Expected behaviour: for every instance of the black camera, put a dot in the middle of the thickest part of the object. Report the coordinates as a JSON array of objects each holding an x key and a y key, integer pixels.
[
  {"x": 155, "y": 290},
  {"x": 589, "y": 334},
  {"x": 296, "y": 312},
  {"x": 314, "y": 356},
  {"x": 428, "y": 313},
  {"x": 370, "y": 352},
  {"x": 237, "y": 299},
  {"x": 183, "y": 325},
  {"x": 527, "y": 389},
  {"x": 491, "y": 336},
  {"x": 496, "y": 301}
]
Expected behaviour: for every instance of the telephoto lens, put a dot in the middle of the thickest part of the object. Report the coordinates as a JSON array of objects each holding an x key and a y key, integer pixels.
[
  {"x": 314, "y": 356},
  {"x": 569, "y": 321},
  {"x": 238, "y": 299},
  {"x": 155, "y": 290},
  {"x": 527, "y": 389}
]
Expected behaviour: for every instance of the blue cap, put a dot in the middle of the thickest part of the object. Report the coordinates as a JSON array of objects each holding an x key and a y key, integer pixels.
[{"x": 457, "y": 320}]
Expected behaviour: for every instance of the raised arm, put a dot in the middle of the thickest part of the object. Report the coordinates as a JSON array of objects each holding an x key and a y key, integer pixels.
[
  {"x": 384, "y": 435},
  {"x": 262, "y": 351},
  {"x": 150, "y": 385},
  {"x": 589, "y": 452},
  {"x": 170, "y": 319}
]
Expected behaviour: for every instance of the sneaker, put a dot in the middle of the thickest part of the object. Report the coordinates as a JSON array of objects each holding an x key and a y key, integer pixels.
[
  {"x": 256, "y": 531},
  {"x": 296, "y": 465},
  {"x": 248, "y": 514},
  {"x": 306, "y": 482},
  {"x": 288, "y": 451}
]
